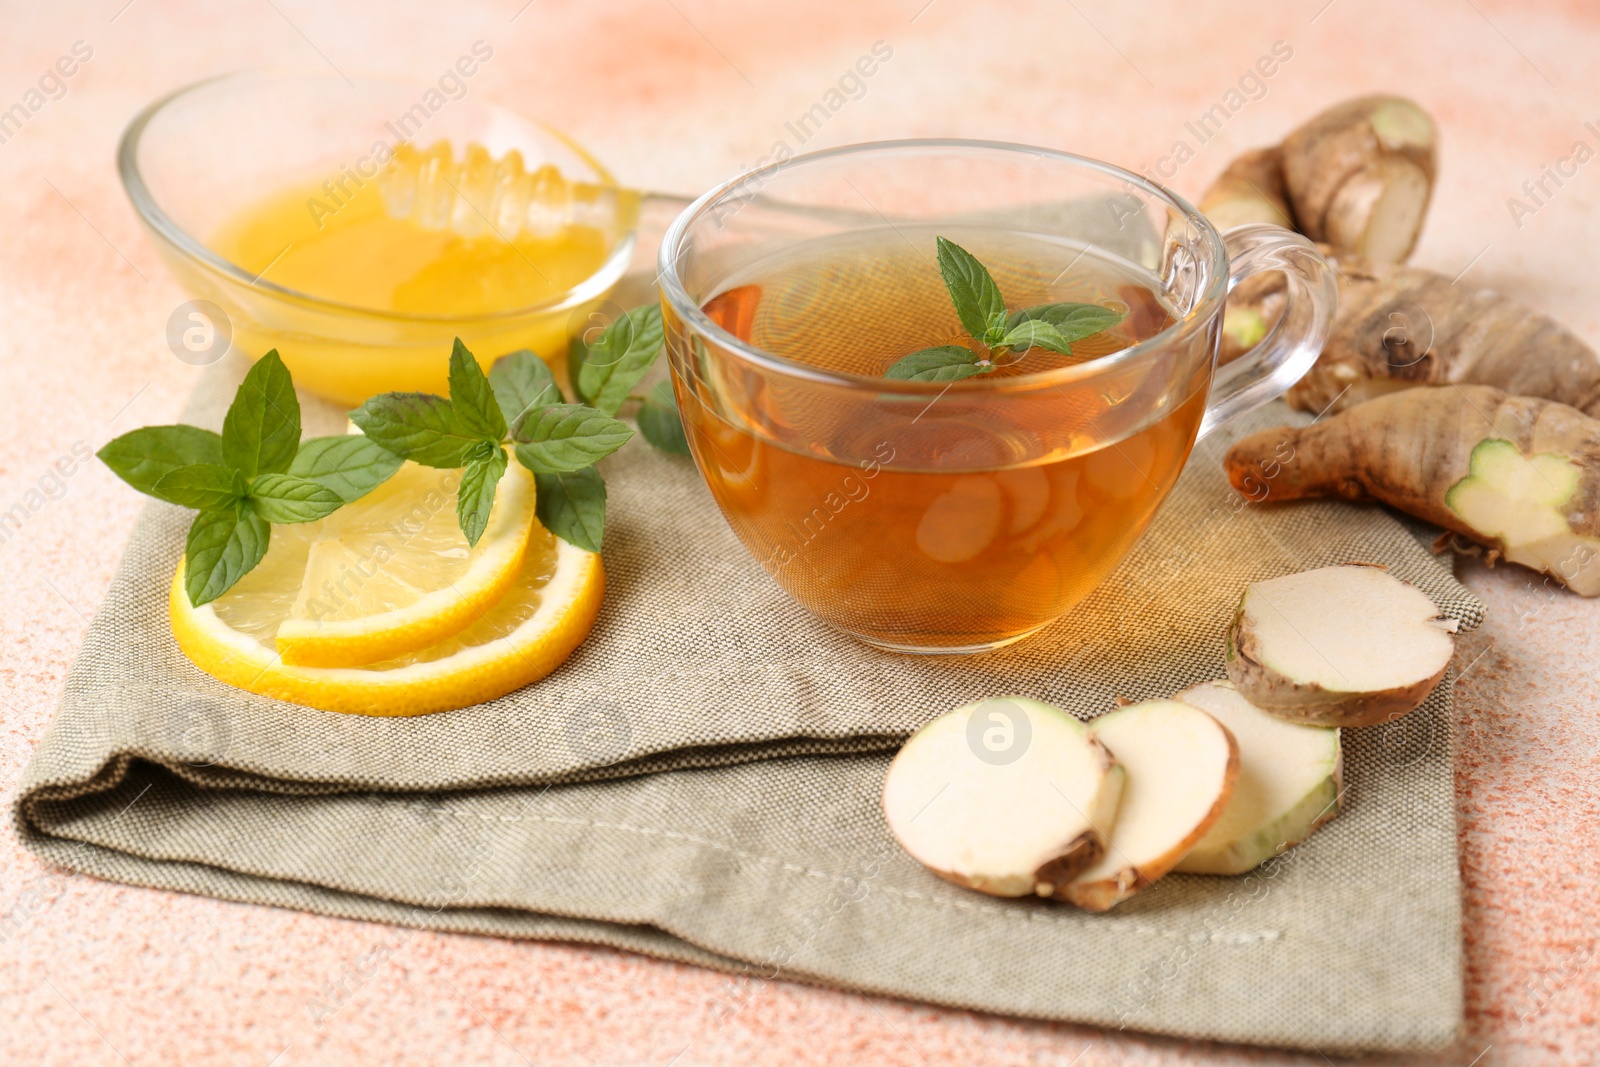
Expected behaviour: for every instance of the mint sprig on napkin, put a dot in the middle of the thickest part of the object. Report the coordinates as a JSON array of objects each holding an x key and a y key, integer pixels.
[
  {"x": 255, "y": 473},
  {"x": 605, "y": 372},
  {"x": 983, "y": 315},
  {"x": 519, "y": 406},
  {"x": 258, "y": 472}
]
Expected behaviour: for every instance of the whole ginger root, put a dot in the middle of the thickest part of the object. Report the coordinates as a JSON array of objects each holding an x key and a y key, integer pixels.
[
  {"x": 1462, "y": 407},
  {"x": 1358, "y": 176},
  {"x": 1399, "y": 327},
  {"x": 1518, "y": 475},
  {"x": 1250, "y": 190}
]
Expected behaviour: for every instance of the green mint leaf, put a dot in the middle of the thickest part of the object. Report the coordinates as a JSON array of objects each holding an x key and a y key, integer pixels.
[
  {"x": 352, "y": 464},
  {"x": 287, "y": 499},
  {"x": 203, "y": 486},
  {"x": 471, "y": 397},
  {"x": 1030, "y": 332},
  {"x": 567, "y": 437},
  {"x": 613, "y": 365},
  {"x": 660, "y": 422},
  {"x": 996, "y": 330},
  {"x": 141, "y": 457},
  {"x": 946, "y": 363},
  {"x": 972, "y": 290},
  {"x": 1073, "y": 322},
  {"x": 521, "y": 381},
  {"x": 223, "y": 546},
  {"x": 572, "y": 505},
  {"x": 577, "y": 354},
  {"x": 420, "y": 427},
  {"x": 262, "y": 428},
  {"x": 475, "y": 497}
]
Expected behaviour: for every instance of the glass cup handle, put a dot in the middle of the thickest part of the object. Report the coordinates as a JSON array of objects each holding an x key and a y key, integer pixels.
[{"x": 1285, "y": 354}]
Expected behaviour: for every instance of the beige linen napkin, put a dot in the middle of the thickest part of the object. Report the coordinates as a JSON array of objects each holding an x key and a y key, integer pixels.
[{"x": 700, "y": 782}]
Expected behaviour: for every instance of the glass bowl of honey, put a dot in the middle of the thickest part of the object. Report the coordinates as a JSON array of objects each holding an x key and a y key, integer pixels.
[{"x": 359, "y": 225}]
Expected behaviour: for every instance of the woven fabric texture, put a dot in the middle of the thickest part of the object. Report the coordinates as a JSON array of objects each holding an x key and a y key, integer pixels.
[{"x": 700, "y": 782}]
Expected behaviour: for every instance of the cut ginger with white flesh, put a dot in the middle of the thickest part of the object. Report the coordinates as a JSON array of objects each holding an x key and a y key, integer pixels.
[
  {"x": 1007, "y": 796},
  {"x": 1290, "y": 782},
  {"x": 1349, "y": 645},
  {"x": 1517, "y": 474},
  {"x": 1181, "y": 765}
]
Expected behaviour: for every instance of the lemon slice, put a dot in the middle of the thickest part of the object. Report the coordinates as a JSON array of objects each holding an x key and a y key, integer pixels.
[
  {"x": 518, "y": 639},
  {"x": 385, "y": 575}
]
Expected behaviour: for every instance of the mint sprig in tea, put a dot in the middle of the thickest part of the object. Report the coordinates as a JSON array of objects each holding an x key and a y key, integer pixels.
[
  {"x": 942, "y": 519},
  {"x": 994, "y": 334}
]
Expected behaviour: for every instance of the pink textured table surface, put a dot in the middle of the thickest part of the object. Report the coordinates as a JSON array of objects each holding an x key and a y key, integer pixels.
[{"x": 676, "y": 94}]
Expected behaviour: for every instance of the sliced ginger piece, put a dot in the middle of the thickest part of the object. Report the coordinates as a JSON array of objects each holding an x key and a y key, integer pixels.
[
  {"x": 1350, "y": 645},
  {"x": 1006, "y": 796},
  {"x": 1290, "y": 782},
  {"x": 1180, "y": 764},
  {"x": 1524, "y": 505}
]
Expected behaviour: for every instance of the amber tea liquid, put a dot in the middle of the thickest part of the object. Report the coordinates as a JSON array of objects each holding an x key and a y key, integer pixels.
[{"x": 945, "y": 532}]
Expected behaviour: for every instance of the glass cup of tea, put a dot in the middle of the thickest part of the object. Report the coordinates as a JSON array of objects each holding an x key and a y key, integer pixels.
[{"x": 958, "y": 516}]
